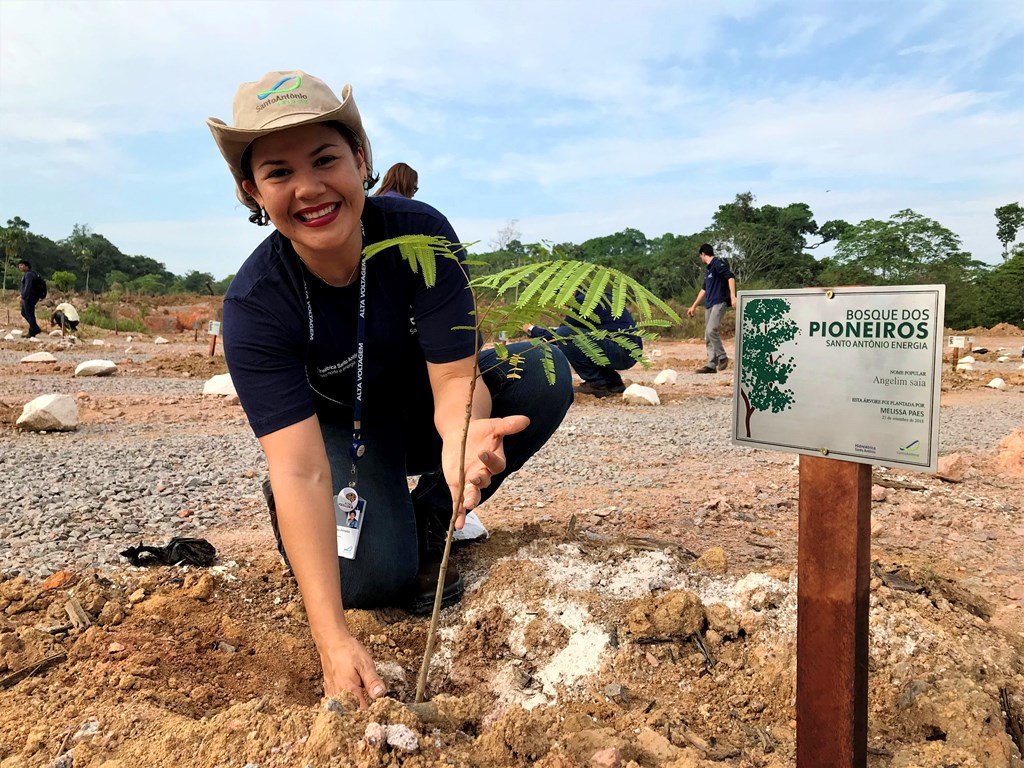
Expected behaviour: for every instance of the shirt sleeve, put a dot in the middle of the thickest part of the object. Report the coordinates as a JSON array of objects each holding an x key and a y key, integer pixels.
[
  {"x": 443, "y": 307},
  {"x": 267, "y": 368},
  {"x": 722, "y": 269}
]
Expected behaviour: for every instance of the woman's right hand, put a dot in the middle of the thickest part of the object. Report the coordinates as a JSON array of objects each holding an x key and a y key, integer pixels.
[{"x": 348, "y": 667}]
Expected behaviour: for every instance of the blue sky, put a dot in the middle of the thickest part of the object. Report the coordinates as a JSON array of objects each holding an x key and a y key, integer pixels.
[{"x": 577, "y": 119}]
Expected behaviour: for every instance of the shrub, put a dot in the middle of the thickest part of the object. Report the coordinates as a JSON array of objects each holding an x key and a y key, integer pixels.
[
  {"x": 63, "y": 281},
  {"x": 100, "y": 317}
]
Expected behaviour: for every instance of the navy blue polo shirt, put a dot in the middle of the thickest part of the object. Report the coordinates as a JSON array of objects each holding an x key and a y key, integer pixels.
[
  {"x": 605, "y": 320},
  {"x": 716, "y": 283},
  {"x": 282, "y": 377}
]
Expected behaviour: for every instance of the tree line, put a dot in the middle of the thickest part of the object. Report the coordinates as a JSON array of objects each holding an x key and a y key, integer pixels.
[
  {"x": 87, "y": 261},
  {"x": 770, "y": 246},
  {"x": 767, "y": 246}
]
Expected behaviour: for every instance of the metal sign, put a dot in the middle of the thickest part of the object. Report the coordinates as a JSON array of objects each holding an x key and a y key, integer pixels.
[
  {"x": 850, "y": 373},
  {"x": 214, "y": 329},
  {"x": 958, "y": 342}
]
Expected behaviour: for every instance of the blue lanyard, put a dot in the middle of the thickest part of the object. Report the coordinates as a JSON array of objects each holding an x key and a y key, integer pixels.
[{"x": 357, "y": 449}]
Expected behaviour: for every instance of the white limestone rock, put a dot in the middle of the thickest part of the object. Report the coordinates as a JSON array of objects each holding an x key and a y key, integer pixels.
[
  {"x": 17, "y": 332},
  {"x": 1003, "y": 359},
  {"x": 668, "y": 376},
  {"x": 639, "y": 395},
  {"x": 35, "y": 340},
  {"x": 967, "y": 359},
  {"x": 962, "y": 366},
  {"x": 98, "y": 342},
  {"x": 39, "y": 357},
  {"x": 160, "y": 340},
  {"x": 997, "y": 383},
  {"x": 96, "y": 368},
  {"x": 55, "y": 333},
  {"x": 219, "y": 385},
  {"x": 9, "y": 337},
  {"x": 52, "y": 413}
]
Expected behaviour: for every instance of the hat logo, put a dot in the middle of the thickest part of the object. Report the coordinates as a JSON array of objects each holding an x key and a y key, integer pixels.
[{"x": 279, "y": 87}]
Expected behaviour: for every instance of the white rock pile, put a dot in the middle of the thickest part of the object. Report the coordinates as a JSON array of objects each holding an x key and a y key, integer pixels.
[
  {"x": 636, "y": 394},
  {"x": 49, "y": 413},
  {"x": 997, "y": 383},
  {"x": 96, "y": 368},
  {"x": 160, "y": 340}
]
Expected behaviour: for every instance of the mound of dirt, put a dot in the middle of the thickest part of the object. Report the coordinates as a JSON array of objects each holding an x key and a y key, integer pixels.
[{"x": 563, "y": 648}]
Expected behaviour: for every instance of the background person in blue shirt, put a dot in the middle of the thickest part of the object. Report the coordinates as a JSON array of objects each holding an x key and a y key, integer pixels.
[
  {"x": 400, "y": 180},
  {"x": 302, "y": 161},
  {"x": 31, "y": 293},
  {"x": 598, "y": 380},
  {"x": 718, "y": 293}
]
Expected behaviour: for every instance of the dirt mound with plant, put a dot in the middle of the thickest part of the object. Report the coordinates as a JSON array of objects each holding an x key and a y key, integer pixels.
[{"x": 566, "y": 647}]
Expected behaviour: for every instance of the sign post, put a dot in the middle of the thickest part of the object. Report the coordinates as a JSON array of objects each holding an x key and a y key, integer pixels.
[
  {"x": 214, "y": 332},
  {"x": 846, "y": 377}
]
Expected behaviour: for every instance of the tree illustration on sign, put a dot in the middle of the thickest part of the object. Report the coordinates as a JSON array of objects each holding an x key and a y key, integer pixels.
[{"x": 763, "y": 372}]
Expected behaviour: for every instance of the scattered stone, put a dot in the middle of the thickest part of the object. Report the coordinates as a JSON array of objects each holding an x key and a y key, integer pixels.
[
  {"x": 877, "y": 529},
  {"x": 668, "y": 376},
  {"x": 962, "y": 366},
  {"x": 375, "y": 735},
  {"x": 202, "y": 589},
  {"x": 712, "y": 561},
  {"x": 160, "y": 340},
  {"x": 878, "y": 493},
  {"x": 16, "y": 332},
  {"x": 606, "y": 758},
  {"x": 53, "y": 413},
  {"x": 111, "y": 614},
  {"x": 59, "y": 580},
  {"x": 952, "y": 468},
  {"x": 674, "y": 614},
  {"x": 226, "y": 647},
  {"x": 997, "y": 383},
  {"x": 636, "y": 394},
  {"x": 616, "y": 692},
  {"x": 55, "y": 333},
  {"x": 137, "y": 596},
  {"x": 402, "y": 738},
  {"x": 220, "y": 385},
  {"x": 9, "y": 337},
  {"x": 758, "y": 592},
  {"x": 39, "y": 357},
  {"x": 115, "y": 647},
  {"x": 331, "y": 704},
  {"x": 96, "y": 368},
  {"x": 87, "y": 729},
  {"x": 98, "y": 343},
  {"x": 967, "y": 359},
  {"x": 1003, "y": 359},
  {"x": 722, "y": 620}
]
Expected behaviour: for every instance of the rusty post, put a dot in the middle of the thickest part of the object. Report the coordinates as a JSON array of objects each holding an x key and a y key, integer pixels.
[
  {"x": 213, "y": 343},
  {"x": 833, "y": 562},
  {"x": 956, "y": 356}
]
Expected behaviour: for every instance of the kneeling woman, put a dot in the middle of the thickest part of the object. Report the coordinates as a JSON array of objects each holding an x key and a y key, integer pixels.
[{"x": 350, "y": 372}]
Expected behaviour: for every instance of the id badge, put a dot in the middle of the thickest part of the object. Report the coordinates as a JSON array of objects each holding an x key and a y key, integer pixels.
[{"x": 349, "y": 514}]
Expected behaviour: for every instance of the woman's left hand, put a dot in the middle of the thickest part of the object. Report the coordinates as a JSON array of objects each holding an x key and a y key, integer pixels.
[{"x": 485, "y": 457}]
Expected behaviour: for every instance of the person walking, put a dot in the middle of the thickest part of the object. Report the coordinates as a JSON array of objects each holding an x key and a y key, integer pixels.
[
  {"x": 718, "y": 293},
  {"x": 32, "y": 291},
  {"x": 351, "y": 371},
  {"x": 399, "y": 181}
]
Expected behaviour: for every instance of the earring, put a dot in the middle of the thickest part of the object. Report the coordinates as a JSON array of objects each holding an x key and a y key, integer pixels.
[{"x": 264, "y": 218}]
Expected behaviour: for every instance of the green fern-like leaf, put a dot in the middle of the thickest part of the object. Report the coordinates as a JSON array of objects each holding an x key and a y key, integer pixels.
[{"x": 548, "y": 361}]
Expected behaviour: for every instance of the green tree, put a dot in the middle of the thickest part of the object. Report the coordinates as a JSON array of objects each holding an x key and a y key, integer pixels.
[
  {"x": 116, "y": 280},
  {"x": 63, "y": 281},
  {"x": 898, "y": 251},
  {"x": 198, "y": 282},
  {"x": 766, "y": 327},
  {"x": 13, "y": 238},
  {"x": 1009, "y": 220},
  {"x": 152, "y": 285}
]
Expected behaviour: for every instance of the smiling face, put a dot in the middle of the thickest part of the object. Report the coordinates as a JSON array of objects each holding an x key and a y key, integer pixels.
[{"x": 310, "y": 183}]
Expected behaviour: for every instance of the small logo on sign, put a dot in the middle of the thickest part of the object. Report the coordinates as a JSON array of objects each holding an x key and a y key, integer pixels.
[{"x": 913, "y": 449}]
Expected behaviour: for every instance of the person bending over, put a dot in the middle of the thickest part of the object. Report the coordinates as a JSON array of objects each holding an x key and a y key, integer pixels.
[{"x": 350, "y": 372}]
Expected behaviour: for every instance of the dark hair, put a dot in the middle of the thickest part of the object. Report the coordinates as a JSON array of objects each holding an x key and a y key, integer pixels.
[
  {"x": 26, "y": 262},
  {"x": 400, "y": 178},
  {"x": 258, "y": 216},
  {"x": 706, "y": 249}
]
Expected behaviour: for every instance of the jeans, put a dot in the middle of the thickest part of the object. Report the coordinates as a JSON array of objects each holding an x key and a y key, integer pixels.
[
  {"x": 394, "y": 529},
  {"x": 712, "y": 319},
  {"x": 587, "y": 369},
  {"x": 28, "y": 311}
]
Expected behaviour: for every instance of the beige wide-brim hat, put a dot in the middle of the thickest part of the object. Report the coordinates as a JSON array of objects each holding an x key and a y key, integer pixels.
[{"x": 280, "y": 100}]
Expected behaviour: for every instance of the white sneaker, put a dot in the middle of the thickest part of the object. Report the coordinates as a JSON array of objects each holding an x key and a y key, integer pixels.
[{"x": 471, "y": 529}]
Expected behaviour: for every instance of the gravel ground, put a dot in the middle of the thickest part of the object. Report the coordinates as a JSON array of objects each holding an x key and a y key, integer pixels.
[
  {"x": 28, "y": 387},
  {"x": 73, "y": 500}
]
